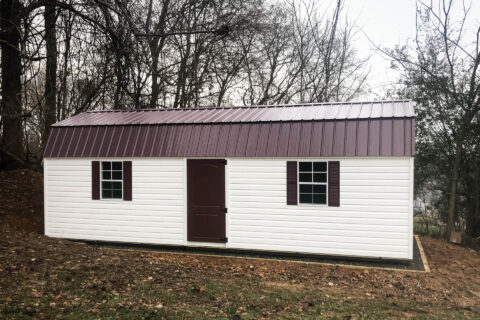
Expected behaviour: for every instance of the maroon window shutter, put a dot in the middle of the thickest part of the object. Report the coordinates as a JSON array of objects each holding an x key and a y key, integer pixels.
[
  {"x": 334, "y": 183},
  {"x": 95, "y": 180},
  {"x": 127, "y": 180},
  {"x": 291, "y": 182}
]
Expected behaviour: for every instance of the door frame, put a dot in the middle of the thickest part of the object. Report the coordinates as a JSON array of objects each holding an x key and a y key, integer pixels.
[{"x": 185, "y": 203}]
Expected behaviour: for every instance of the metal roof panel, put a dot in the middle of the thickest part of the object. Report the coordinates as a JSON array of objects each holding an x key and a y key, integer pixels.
[
  {"x": 349, "y": 138},
  {"x": 304, "y": 112}
]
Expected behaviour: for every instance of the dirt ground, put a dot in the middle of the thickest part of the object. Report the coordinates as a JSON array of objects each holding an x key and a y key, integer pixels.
[
  {"x": 21, "y": 200},
  {"x": 47, "y": 278}
]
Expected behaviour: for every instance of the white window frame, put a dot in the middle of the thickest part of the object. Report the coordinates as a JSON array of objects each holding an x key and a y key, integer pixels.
[
  {"x": 310, "y": 183},
  {"x": 110, "y": 180}
]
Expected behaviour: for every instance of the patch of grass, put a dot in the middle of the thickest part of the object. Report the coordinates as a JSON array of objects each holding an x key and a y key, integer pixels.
[
  {"x": 44, "y": 278},
  {"x": 429, "y": 227},
  {"x": 222, "y": 298}
]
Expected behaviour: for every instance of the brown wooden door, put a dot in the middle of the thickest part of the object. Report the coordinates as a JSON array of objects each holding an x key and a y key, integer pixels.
[{"x": 206, "y": 200}]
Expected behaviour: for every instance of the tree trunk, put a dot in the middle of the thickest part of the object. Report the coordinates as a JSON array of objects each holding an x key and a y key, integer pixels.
[
  {"x": 12, "y": 152},
  {"x": 50, "y": 105},
  {"x": 156, "y": 44},
  {"x": 453, "y": 193},
  {"x": 62, "y": 99},
  {"x": 182, "y": 76},
  {"x": 155, "y": 84}
]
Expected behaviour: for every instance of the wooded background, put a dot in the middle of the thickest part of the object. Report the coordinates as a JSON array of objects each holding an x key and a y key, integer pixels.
[{"x": 60, "y": 58}]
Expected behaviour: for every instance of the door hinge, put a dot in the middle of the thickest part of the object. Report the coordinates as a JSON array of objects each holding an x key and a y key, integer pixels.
[
  {"x": 226, "y": 239},
  {"x": 225, "y": 210},
  {"x": 225, "y": 162}
]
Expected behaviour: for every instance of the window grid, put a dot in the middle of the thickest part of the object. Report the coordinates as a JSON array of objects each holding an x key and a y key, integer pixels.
[
  {"x": 313, "y": 183},
  {"x": 111, "y": 180}
]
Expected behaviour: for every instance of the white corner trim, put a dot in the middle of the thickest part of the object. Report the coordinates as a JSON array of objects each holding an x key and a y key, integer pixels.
[
  {"x": 227, "y": 202},
  {"x": 45, "y": 196},
  {"x": 410, "y": 206},
  {"x": 185, "y": 203}
]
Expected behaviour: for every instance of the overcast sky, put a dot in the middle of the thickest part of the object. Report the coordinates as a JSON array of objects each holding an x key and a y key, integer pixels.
[{"x": 387, "y": 23}]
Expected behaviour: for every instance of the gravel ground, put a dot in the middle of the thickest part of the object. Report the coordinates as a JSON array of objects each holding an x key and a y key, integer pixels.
[{"x": 416, "y": 264}]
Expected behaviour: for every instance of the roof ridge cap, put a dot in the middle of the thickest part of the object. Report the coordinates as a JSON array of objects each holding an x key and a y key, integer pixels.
[{"x": 310, "y": 104}]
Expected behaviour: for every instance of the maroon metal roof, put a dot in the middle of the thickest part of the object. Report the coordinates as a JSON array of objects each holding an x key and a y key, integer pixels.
[
  {"x": 336, "y": 138},
  {"x": 305, "y": 112},
  {"x": 316, "y": 130}
]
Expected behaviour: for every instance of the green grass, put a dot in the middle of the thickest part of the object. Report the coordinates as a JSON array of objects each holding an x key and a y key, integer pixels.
[{"x": 429, "y": 228}]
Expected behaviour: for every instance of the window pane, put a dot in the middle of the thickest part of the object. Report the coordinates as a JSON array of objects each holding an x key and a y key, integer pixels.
[
  {"x": 117, "y": 175},
  {"x": 305, "y": 166},
  {"x": 319, "y": 177},
  {"x": 117, "y": 185},
  {"x": 319, "y": 188},
  {"x": 106, "y": 185},
  {"x": 305, "y": 177},
  {"x": 305, "y": 198},
  {"x": 320, "y": 198},
  {"x": 116, "y": 166},
  {"x": 305, "y": 188},
  {"x": 112, "y": 171},
  {"x": 117, "y": 194},
  {"x": 106, "y": 194},
  {"x": 320, "y": 166}
]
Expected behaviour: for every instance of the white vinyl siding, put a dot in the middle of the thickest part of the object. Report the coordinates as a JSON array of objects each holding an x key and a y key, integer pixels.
[
  {"x": 375, "y": 217},
  {"x": 373, "y": 220},
  {"x": 155, "y": 215}
]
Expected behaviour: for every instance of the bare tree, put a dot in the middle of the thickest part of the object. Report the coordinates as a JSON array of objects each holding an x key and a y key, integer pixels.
[
  {"x": 74, "y": 56},
  {"x": 50, "y": 104},
  {"x": 306, "y": 56},
  {"x": 11, "y": 105},
  {"x": 156, "y": 42},
  {"x": 443, "y": 71},
  {"x": 330, "y": 67}
]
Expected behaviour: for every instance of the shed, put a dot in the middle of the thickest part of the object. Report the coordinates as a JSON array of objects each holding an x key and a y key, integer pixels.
[{"x": 322, "y": 179}]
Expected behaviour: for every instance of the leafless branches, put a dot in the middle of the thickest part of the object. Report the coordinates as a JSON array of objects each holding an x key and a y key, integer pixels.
[{"x": 77, "y": 55}]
